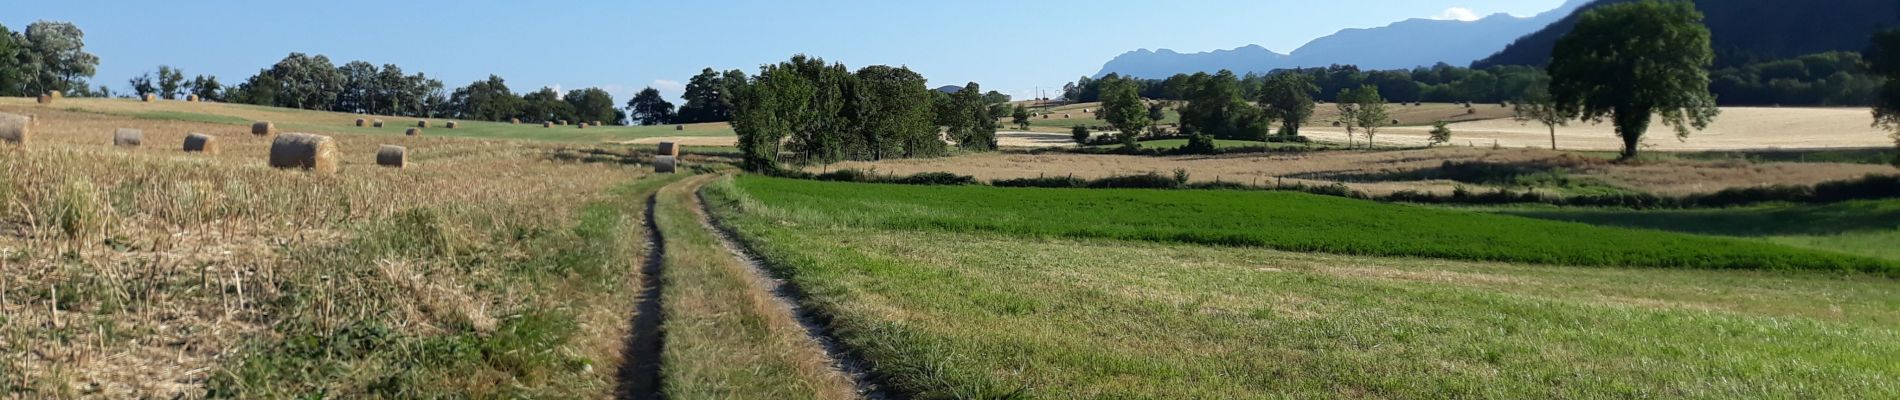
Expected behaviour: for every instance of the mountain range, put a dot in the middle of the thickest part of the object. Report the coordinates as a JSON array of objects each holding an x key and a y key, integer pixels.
[{"x": 1405, "y": 44}]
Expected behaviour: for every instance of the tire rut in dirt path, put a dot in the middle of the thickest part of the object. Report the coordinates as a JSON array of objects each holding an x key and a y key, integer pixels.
[
  {"x": 639, "y": 374},
  {"x": 816, "y": 326}
]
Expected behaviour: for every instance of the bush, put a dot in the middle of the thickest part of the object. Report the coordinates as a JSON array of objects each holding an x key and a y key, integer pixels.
[
  {"x": 1144, "y": 181},
  {"x": 853, "y": 175},
  {"x": 1056, "y": 182},
  {"x": 937, "y": 178},
  {"x": 1081, "y": 135},
  {"x": 1441, "y": 133},
  {"x": 1200, "y": 144}
]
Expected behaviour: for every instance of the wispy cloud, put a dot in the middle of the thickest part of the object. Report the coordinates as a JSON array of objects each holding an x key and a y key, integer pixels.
[{"x": 1457, "y": 14}]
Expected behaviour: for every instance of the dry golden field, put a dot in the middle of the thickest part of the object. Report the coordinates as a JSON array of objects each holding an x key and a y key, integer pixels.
[
  {"x": 1382, "y": 172},
  {"x": 1737, "y": 128},
  {"x": 152, "y": 272}
]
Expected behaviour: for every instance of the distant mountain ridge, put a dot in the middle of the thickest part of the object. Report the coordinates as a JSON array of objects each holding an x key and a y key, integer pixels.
[
  {"x": 1404, "y": 44},
  {"x": 1743, "y": 30}
]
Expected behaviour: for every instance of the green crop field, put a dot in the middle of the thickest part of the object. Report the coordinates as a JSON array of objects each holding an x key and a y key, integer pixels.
[
  {"x": 1870, "y": 228},
  {"x": 1281, "y": 220},
  {"x": 976, "y": 292}
]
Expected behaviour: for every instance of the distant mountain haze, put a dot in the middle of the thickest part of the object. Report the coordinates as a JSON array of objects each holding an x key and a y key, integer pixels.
[
  {"x": 1401, "y": 45},
  {"x": 1745, "y": 30}
]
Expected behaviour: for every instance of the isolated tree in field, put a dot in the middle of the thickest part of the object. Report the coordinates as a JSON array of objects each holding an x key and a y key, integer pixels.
[
  {"x": 1631, "y": 62},
  {"x": 56, "y": 57},
  {"x": 1289, "y": 98},
  {"x": 1020, "y": 116},
  {"x": 1885, "y": 60},
  {"x": 206, "y": 87},
  {"x": 171, "y": 82},
  {"x": 1537, "y": 106},
  {"x": 650, "y": 108},
  {"x": 1440, "y": 133},
  {"x": 1122, "y": 107},
  {"x": 143, "y": 84},
  {"x": 1362, "y": 109},
  {"x": 1081, "y": 135}
]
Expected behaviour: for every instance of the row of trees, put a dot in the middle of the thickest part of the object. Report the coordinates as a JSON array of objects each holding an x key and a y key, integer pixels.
[
  {"x": 47, "y": 57},
  {"x": 825, "y": 112},
  {"x": 1828, "y": 79},
  {"x": 1885, "y": 58}
]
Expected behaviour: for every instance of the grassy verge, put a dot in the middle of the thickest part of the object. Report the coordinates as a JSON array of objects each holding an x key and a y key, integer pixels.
[
  {"x": 978, "y": 314},
  {"x": 552, "y": 345},
  {"x": 726, "y": 335},
  {"x": 1868, "y": 228},
  {"x": 1279, "y": 220}
]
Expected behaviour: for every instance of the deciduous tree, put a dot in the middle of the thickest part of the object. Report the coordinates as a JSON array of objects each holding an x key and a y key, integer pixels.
[
  {"x": 1632, "y": 62},
  {"x": 650, "y": 108},
  {"x": 1123, "y": 108}
]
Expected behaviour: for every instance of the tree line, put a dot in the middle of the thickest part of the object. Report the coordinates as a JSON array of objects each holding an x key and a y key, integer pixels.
[
  {"x": 818, "y": 112},
  {"x": 1825, "y": 79}
]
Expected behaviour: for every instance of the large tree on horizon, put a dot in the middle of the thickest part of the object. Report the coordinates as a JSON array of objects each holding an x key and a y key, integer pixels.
[
  {"x": 650, "y": 108},
  {"x": 1289, "y": 98},
  {"x": 1635, "y": 61},
  {"x": 1123, "y": 108},
  {"x": 1885, "y": 61}
]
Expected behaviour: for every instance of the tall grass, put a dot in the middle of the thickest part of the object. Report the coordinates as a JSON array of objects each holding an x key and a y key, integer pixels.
[{"x": 1286, "y": 221}]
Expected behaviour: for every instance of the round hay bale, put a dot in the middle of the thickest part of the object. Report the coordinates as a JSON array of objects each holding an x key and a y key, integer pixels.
[
  {"x": 1395, "y": 122},
  {"x": 148, "y": 97},
  {"x": 679, "y": 127},
  {"x": 304, "y": 151},
  {"x": 201, "y": 143},
  {"x": 263, "y": 128},
  {"x": 413, "y": 132},
  {"x": 561, "y": 122},
  {"x": 422, "y": 124},
  {"x": 362, "y": 122},
  {"x": 582, "y": 125},
  {"x": 128, "y": 137},
  {"x": 191, "y": 98},
  {"x": 392, "y": 156},
  {"x": 450, "y": 125},
  {"x": 15, "y": 129},
  {"x": 57, "y": 95},
  {"x": 665, "y": 164},
  {"x": 377, "y": 123},
  {"x": 597, "y": 123},
  {"x": 514, "y": 121},
  {"x": 669, "y": 149},
  {"x": 46, "y": 99},
  {"x": 547, "y": 124}
]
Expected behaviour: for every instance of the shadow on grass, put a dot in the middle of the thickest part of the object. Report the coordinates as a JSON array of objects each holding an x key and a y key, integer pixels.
[{"x": 1746, "y": 222}]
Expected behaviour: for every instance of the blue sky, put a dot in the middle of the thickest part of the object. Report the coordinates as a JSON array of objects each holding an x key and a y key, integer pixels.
[{"x": 625, "y": 45}]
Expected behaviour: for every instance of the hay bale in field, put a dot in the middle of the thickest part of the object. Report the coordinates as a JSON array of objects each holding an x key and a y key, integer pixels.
[
  {"x": 422, "y": 124},
  {"x": 191, "y": 98},
  {"x": 1066, "y": 116},
  {"x": 450, "y": 125},
  {"x": 514, "y": 121},
  {"x": 148, "y": 97},
  {"x": 57, "y": 94},
  {"x": 665, "y": 164},
  {"x": 201, "y": 143},
  {"x": 1395, "y": 122},
  {"x": 597, "y": 123},
  {"x": 376, "y": 123},
  {"x": 392, "y": 156},
  {"x": 15, "y": 129},
  {"x": 582, "y": 125},
  {"x": 413, "y": 132},
  {"x": 679, "y": 127},
  {"x": 669, "y": 149},
  {"x": 362, "y": 122},
  {"x": 263, "y": 128},
  {"x": 46, "y": 99},
  {"x": 561, "y": 122},
  {"x": 547, "y": 124},
  {"x": 128, "y": 137},
  {"x": 306, "y": 151}
]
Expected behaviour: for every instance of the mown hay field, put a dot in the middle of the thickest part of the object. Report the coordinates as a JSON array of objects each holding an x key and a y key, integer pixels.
[
  {"x": 978, "y": 293},
  {"x": 483, "y": 269},
  {"x": 290, "y": 120}
]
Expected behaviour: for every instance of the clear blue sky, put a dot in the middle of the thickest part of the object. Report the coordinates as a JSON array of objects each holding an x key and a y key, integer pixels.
[{"x": 624, "y": 45}]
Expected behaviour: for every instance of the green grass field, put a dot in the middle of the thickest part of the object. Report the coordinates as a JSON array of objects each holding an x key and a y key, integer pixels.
[
  {"x": 1869, "y": 228},
  {"x": 1000, "y": 310},
  {"x": 1279, "y": 220}
]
